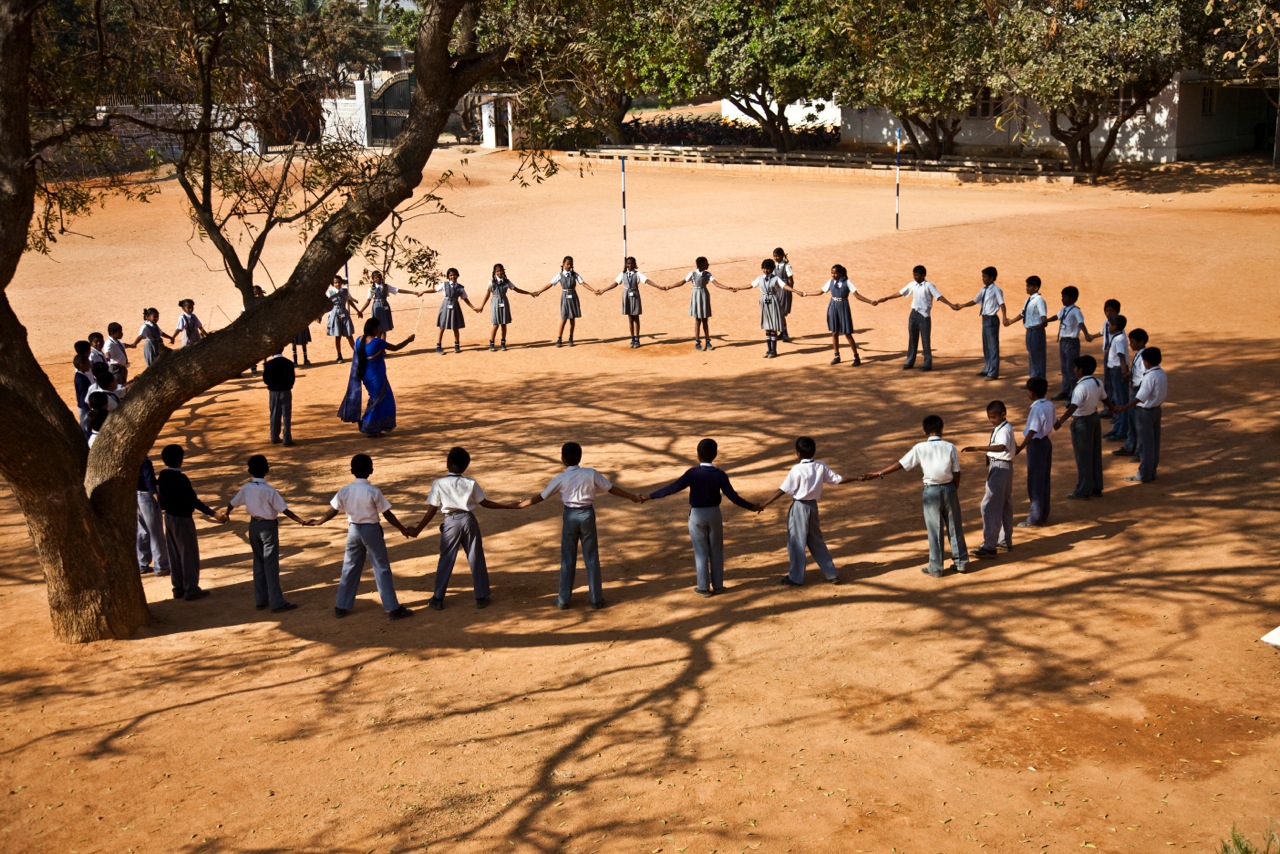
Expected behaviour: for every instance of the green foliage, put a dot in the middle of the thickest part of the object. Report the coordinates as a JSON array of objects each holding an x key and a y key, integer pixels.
[
  {"x": 339, "y": 41},
  {"x": 1238, "y": 843}
]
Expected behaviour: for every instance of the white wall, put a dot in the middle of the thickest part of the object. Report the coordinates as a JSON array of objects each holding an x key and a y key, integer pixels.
[
  {"x": 820, "y": 113},
  {"x": 348, "y": 119},
  {"x": 1231, "y": 128}
]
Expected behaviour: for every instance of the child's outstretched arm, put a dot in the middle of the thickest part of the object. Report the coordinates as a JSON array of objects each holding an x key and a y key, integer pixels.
[
  {"x": 876, "y": 475},
  {"x": 605, "y": 289},
  {"x": 499, "y": 505},
  {"x": 294, "y": 516},
  {"x": 395, "y": 523},
  {"x": 864, "y": 299},
  {"x": 772, "y": 498},
  {"x": 630, "y": 496},
  {"x": 426, "y": 520},
  {"x": 530, "y": 501},
  {"x": 329, "y": 514},
  {"x": 485, "y": 301}
]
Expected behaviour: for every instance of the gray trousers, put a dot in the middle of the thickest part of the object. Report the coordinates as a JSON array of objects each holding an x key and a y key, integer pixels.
[
  {"x": 1086, "y": 442},
  {"x": 706, "y": 531},
  {"x": 804, "y": 530},
  {"x": 1039, "y": 474},
  {"x": 1035, "y": 351},
  {"x": 184, "y": 554},
  {"x": 997, "y": 505},
  {"x": 1147, "y": 426},
  {"x": 150, "y": 539},
  {"x": 918, "y": 329},
  {"x": 461, "y": 531},
  {"x": 365, "y": 540},
  {"x": 1068, "y": 352},
  {"x": 281, "y": 407},
  {"x": 991, "y": 345},
  {"x": 121, "y": 374},
  {"x": 579, "y": 523},
  {"x": 942, "y": 519},
  {"x": 264, "y": 541}
]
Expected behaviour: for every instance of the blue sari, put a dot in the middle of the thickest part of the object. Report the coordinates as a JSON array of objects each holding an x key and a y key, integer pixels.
[{"x": 380, "y": 413}]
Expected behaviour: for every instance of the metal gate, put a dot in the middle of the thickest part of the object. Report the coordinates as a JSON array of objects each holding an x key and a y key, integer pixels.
[{"x": 390, "y": 109}]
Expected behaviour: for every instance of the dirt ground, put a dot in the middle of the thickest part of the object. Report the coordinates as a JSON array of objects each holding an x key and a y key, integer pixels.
[{"x": 1102, "y": 686}]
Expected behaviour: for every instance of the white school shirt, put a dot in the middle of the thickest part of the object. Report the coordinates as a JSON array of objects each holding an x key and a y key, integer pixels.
[
  {"x": 922, "y": 295},
  {"x": 455, "y": 493},
  {"x": 113, "y": 397},
  {"x": 95, "y": 355},
  {"x": 1138, "y": 369},
  {"x": 259, "y": 499},
  {"x": 1088, "y": 394},
  {"x": 775, "y": 290},
  {"x": 937, "y": 458},
  {"x": 831, "y": 283},
  {"x": 1070, "y": 319},
  {"x": 578, "y": 486},
  {"x": 1003, "y": 435},
  {"x": 641, "y": 278},
  {"x": 805, "y": 480},
  {"x": 577, "y": 280},
  {"x": 693, "y": 276},
  {"x": 1118, "y": 350},
  {"x": 1154, "y": 389},
  {"x": 783, "y": 271},
  {"x": 363, "y": 502},
  {"x": 390, "y": 289},
  {"x": 1034, "y": 311},
  {"x": 1040, "y": 418},
  {"x": 190, "y": 327},
  {"x": 115, "y": 353},
  {"x": 989, "y": 300}
]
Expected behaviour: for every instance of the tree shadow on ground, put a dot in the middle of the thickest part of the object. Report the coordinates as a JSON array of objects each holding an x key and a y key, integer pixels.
[{"x": 1195, "y": 176}]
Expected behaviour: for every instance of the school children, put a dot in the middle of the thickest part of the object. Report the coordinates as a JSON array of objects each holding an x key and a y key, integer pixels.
[
  {"x": 771, "y": 290},
  {"x": 1034, "y": 317},
  {"x": 940, "y": 465},
  {"x": 706, "y": 483},
  {"x": 839, "y": 313},
  {"x": 920, "y": 321},
  {"x": 83, "y": 379},
  {"x": 114, "y": 350},
  {"x": 265, "y": 506},
  {"x": 1138, "y": 340},
  {"x": 782, "y": 269},
  {"x": 700, "y": 301},
  {"x": 189, "y": 326},
  {"x": 1146, "y": 404},
  {"x": 570, "y": 305},
  {"x": 279, "y": 374},
  {"x": 457, "y": 496},
  {"x": 149, "y": 541},
  {"x": 302, "y": 339},
  {"x": 990, "y": 300},
  {"x": 1110, "y": 308},
  {"x": 1037, "y": 443},
  {"x": 630, "y": 279},
  {"x": 997, "y": 499},
  {"x": 450, "y": 315},
  {"x": 104, "y": 381},
  {"x": 179, "y": 502},
  {"x": 379, "y": 292},
  {"x": 363, "y": 503},
  {"x": 1071, "y": 326},
  {"x": 578, "y": 487},
  {"x": 151, "y": 336},
  {"x": 1086, "y": 428},
  {"x": 96, "y": 343},
  {"x": 804, "y": 484},
  {"x": 340, "y": 324},
  {"x": 1117, "y": 356},
  {"x": 500, "y": 312}
]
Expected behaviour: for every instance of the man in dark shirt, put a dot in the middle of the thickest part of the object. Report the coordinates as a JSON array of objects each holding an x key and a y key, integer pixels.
[
  {"x": 705, "y": 483},
  {"x": 178, "y": 501},
  {"x": 278, "y": 374}
]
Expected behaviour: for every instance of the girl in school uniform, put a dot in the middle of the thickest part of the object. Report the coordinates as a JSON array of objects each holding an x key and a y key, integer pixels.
[
  {"x": 782, "y": 269},
  {"x": 450, "y": 315},
  {"x": 302, "y": 339},
  {"x": 500, "y": 312},
  {"x": 771, "y": 291},
  {"x": 340, "y": 325},
  {"x": 700, "y": 301},
  {"x": 630, "y": 279},
  {"x": 379, "y": 290},
  {"x": 189, "y": 326},
  {"x": 570, "y": 307},
  {"x": 151, "y": 336},
  {"x": 839, "y": 313}
]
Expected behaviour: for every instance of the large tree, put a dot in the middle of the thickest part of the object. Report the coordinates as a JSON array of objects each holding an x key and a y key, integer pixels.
[
  {"x": 1250, "y": 31},
  {"x": 77, "y": 502}
]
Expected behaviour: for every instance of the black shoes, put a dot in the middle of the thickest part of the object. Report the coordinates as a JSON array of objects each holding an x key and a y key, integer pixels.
[
  {"x": 399, "y": 613},
  {"x": 482, "y": 603},
  {"x": 435, "y": 604},
  {"x": 341, "y": 612},
  {"x": 287, "y": 606},
  {"x": 786, "y": 581},
  {"x": 196, "y": 594}
]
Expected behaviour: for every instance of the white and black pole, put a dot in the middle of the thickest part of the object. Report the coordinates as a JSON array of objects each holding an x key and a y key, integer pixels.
[
  {"x": 623, "y": 162},
  {"x": 897, "y": 182}
]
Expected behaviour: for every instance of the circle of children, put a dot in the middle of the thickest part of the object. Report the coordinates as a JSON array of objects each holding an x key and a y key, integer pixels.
[{"x": 1133, "y": 389}]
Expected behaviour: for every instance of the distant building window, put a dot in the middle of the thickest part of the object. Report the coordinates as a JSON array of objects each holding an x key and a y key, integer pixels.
[
  {"x": 1208, "y": 101},
  {"x": 986, "y": 105},
  {"x": 1121, "y": 101}
]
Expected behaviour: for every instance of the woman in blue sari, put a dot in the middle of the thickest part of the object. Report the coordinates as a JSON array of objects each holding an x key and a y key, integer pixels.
[{"x": 369, "y": 368}]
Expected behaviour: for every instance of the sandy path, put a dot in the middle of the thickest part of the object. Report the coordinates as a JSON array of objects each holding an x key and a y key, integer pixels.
[{"x": 1102, "y": 686}]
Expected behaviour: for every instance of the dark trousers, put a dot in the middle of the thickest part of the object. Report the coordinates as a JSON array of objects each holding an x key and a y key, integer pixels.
[
  {"x": 184, "y": 554},
  {"x": 461, "y": 531},
  {"x": 1086, "y": 442},
  {"x": 121, "y": 374},
  {"x": 1068, "y": 352},
  {"x": 918, "y": 329},
  {"x": 991, "y": 345},
  {"x": 804, "y": 531},
  {"x": 579, "y": 524},
  {"x": 1119, "y": 393},
  {"x": 281, "y": 407},
  {"x": 997, "y": 506},
  {"x": 1039, "y": 470},
  {"x": 264, "y": 540},
  {"x": 1036, "y": 352},
  {"x": 150, "y": 538},
  {"x": 1147, "y": 426}
]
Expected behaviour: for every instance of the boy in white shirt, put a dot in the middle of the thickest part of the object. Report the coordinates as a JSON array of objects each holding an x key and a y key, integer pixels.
[
  {"x": 457, "y": 497},
  {"x": 1086, "y": 429},
  {"x": 578, "y": 488},
  {"x": 1118, "y": 371},
  {"x": 1071, "y": 325},
  {"x": 114, "y": 350},
  {"x": 1146, "y": 403},
  {"x": 1034, "y": 317},
  {"x": 1138, "y": 340},
  {"x": 1037, "y": 443},
  {"x": 363, "y": 503},
  {"x": 990, "y": 302},
  {"x": 997, "y": 500},
  {"x": 804, "y": 484},
  {"x": 264, "y": 505},
  {"x": 920, "y": 321},
  {"x": 940, "y": 465}
]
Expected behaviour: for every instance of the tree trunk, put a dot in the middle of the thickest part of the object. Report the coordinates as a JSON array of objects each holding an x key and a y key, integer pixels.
[
  {"x": 912, "y": 141},
  {"x": 950, "y": 130},
  {"x": 774, "y": 124},
  {"x": 616, "y": 105},
  {"x": 1099, "y": 164},
  {"x": 930, "y": 129}
]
